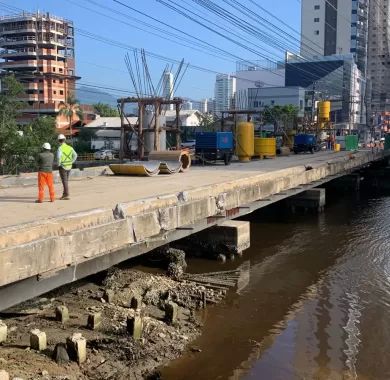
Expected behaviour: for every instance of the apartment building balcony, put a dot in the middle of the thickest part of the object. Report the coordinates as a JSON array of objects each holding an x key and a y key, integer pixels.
[
  {"x": 361, "y": 37},
  {"x": 19, "y": 64},
  {"x": 362, "y": 14},
  {"x": 26, "y": 29},
  {"x": 17, "y": 41},
  {"x": 49, "y": 108},
  {"x": 51, "y": 54},
  {"x": 363, "y": 4},
  {"x": 21, "y": 30},
  {"x": 29, "y": 97},
  {"x": 31, "y": 40},
  {"x": 57, "y": 30},
  {"x": 31, "y": 86},
  {"x": 52, "y": 42},
  {"x": 18, "y": 54}
]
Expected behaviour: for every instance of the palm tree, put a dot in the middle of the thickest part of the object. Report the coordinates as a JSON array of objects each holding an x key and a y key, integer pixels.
[{"x": 70, "y": 109}]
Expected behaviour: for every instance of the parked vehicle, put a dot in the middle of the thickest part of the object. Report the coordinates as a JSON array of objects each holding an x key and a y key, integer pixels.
[
  {"x": 305, "y": 143},
  {"x": 213, "y": 146},
  {"x": 190, "y": 144},
  {"x": 104, "y": 154}
]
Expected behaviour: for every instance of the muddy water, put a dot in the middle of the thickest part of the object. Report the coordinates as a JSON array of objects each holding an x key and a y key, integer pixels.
[{"x": 317, "y": 305}]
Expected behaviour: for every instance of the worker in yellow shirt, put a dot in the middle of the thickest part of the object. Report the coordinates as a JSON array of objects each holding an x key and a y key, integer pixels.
[{"x": 66, "y": 156}]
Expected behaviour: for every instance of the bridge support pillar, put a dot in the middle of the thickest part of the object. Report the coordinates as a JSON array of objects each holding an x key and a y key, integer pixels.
[
  {"x": 313, "y": 200},
  {"x": 232, "y": 236}
]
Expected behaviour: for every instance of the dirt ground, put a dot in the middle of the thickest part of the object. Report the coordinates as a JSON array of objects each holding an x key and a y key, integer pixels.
[{"x": 111, "y": 352}]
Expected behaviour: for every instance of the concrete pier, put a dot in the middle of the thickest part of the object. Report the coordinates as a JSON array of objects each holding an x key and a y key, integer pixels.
[
  {"x": 111, "y": 219},
  {"x": 233, "y": 235},
  {"x": 309, "y": 200}
]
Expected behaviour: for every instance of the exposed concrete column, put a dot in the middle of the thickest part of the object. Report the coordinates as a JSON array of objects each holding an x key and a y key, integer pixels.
[
  {"x": 232, "y": 235},
  {"x": 313, "y": 199}
]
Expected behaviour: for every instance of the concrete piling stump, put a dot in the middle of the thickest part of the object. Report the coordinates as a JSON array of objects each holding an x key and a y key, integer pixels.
[
  {"x": 3, "y": 332},
  {"x": 136, "y": 302},
  {"x": 4, "y": 375},
  {"x": 38, "y": 340},
  {"x": 62, "y": 314},
  {"x": 60, "y": 354},
  {"x": 171, "y": 312},
  {"x": 135, "y": 326},
  {"x": 109, "y": 296},
  {"x": 94, "y": 320},
  {"x": 77, "y": 348}
]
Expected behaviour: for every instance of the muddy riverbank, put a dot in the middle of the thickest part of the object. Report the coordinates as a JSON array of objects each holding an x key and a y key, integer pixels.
[{"x": 112, "y": 352}]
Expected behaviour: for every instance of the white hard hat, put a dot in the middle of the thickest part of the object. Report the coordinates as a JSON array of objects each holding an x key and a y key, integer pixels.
[
  {"x": 46, "y": 146},
  {"x": 61, "y": 137}
]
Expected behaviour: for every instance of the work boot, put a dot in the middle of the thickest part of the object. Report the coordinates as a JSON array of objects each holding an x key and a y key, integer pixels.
[
  {"x": 38, "y": 201},
  {"x": 65, "y": 198}
]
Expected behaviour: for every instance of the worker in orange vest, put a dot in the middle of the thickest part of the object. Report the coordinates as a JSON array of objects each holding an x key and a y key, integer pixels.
[{"x": 45, "y": 173}]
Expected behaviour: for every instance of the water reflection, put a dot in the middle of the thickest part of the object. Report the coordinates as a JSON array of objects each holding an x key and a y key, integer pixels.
[{"x": 317, "y": 304}]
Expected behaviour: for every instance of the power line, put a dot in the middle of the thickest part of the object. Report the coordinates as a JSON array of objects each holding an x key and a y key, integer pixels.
[
  {"x": 180, "y": 10},
  {"x": 159, "y": 57}
]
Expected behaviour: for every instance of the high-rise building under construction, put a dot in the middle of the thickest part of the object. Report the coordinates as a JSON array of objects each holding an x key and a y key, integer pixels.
[
  {"x": 378, "y": 65},
  {"x": 357, "y": 27},
  {"x": 38, "y": 48},
  {"x": 167, "y": 90}
]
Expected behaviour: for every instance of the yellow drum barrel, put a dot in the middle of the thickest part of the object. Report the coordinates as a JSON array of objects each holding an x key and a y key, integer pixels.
[
  {"x": 265, "y": 146},
  {"x": 324, "y": 111},
  {"x": 245, "y": 141}
]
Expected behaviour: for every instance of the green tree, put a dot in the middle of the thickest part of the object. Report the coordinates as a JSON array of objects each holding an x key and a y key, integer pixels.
[
  {"x": 70, "y": 110},
  {"x": 105, "y": 110},
  {"x": 83, "y": 141},
  {"x": 207, "y": 122},
  {"x": 10, "y": 135},
  {"x": 20, "y": 144},
  {"x": 280, "y": 116},
  {"x": 41, "y": 130}
]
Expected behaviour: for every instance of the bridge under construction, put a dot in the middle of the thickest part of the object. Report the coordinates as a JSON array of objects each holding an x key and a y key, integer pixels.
[{"x": 111, "y": 219}]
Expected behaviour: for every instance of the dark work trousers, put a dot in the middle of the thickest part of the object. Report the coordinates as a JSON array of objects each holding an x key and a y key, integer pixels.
[{"x": 64, "y": 174}]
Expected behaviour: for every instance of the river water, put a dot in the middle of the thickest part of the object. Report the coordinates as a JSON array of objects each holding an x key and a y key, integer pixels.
[{"x": 317, "y": 305}]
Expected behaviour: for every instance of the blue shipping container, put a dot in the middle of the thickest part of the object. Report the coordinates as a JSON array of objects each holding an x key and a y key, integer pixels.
[{"x": 213, "y": 140}]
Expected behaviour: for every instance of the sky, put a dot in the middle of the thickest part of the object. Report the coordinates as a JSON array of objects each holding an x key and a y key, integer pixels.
[{"x": 101, "y": 64}]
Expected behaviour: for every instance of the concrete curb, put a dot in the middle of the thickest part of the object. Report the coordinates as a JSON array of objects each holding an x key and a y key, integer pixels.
[{"x": 30, "y": 179}]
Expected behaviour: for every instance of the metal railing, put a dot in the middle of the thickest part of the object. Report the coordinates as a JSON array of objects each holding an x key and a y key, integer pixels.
[
  {"x": 86, "y": 157},
  {"x": 32, "y": 38},
  {"x": 91, "y": 157}
]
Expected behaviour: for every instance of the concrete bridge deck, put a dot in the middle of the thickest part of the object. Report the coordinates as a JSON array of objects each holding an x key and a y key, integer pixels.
[
  {"x": 110, "y": 219},
  {"x": 17, "y": 203}
]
